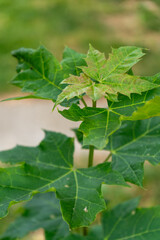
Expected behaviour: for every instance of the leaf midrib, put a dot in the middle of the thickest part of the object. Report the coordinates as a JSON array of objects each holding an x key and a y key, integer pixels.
[
  {"x": 119, "y": 63},
  {"x": 43, "y": 76}
]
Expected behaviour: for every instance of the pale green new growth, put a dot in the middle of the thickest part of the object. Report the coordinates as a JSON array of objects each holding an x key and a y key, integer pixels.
[
  {"x": 150, "y": 109},
  {"x": 107, "y": 77}
]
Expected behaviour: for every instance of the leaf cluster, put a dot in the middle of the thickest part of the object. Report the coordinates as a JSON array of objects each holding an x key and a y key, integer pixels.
[{"x": 128, "y": 127}]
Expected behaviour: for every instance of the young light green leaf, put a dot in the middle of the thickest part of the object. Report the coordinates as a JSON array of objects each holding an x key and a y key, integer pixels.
[
  {"x": 119, "y": 62},
  {"x": 132, "y": 144},
  {"x": 126, "y": 107},
  {"x": 123, "y": 59},
  {"x": 149, "y": 109},
  {"x": 97, "y": 124},
  {"x": 125, "y": 222},
  {"x": 79, "y": 85},
  {"x": 127, "y": 84},
  {"x": 95, "y": 64},
  {"x": 107, "y": 78},
  {"x": 43, "y": 211},
  {"x": 49, "y": 167}
]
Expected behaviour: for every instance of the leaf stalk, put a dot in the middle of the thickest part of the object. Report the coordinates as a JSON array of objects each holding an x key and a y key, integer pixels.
[
  {"x": 83, "y": 101},
  {"x": 108, "y": 157}
]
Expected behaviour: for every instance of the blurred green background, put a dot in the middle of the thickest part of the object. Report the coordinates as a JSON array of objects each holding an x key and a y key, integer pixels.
[
  {"x": 56, "y": 23},
  {"x": 76, "y": 23}
]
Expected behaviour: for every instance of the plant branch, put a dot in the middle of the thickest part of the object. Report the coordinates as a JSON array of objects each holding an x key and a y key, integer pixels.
[
  {"x": 108, "y": 157},
  {"x": 90, "y": 164},
  {"x": 91, "y": 148}
]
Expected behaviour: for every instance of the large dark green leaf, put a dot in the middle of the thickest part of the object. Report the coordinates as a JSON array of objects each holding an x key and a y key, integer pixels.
[
  {"x": 49, "y": 167},
  {"x": 43, "y": 211},
  {"x": 134, "y": 143},
  {"x": 94, "y": 232},
  {"x": 40, "y": 73},
  {"x": 97, "y": 124},
  {"x": 72, "y": 61},
  {"x": 125, "y": 222}
]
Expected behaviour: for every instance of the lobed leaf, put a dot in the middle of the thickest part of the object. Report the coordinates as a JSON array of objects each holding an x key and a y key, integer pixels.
[
  {"x": 134, "y": 143},
  {"x": 131, "y": 145},
  {"x": 149, "y": 109},
  {"x": 79, "y": 86},
  {"x": 49, "y": 167},
  {"x": 97, "y": 124},
  {"x": 126, "y": 107},
  {"x": 107, "y": 78},
  {"x": 40, "y": 73},
  {"x": 120, "y": 61},
  {"x": 43, "y": 211},
  {"x": 125, "y": 222}
]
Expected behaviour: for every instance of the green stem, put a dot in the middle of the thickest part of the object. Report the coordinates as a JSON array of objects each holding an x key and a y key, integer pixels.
[
  {"x": 85, "y": 231},
  {"x": 83, "y": 101},
  {"x": 90, "y": 164},
  {"x": 93, "y": 103},
  {"x": 91, "y": 148},
  {"x": 91, "y": 155},
  {"x": 108, "y": 157}
]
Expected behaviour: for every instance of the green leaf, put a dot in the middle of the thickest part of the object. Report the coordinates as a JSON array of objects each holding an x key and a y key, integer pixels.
[
  {"x": 72, "y": 61},
  {"x": 95, "y": 232},
  {"x": 43, "y": 211},
  {"x": 123, "y": 59},
  {"x": 132, "y": 144},
  {"x": 149, "y": 109},
  {"x": 97, "y": 124},
  {"x": 49, "y": 167},
  {"x": 95, "y": 120},
  {"x": 127, "y": 84},
  {"x": 114, "y": 72},
  {"x": 74, "y": 237},
  {"x": 40, "y": 73},
  {"x": 119, "y": 62},
  {"x": 126, "y": 107},
  {"x": 107, "y": 78},
  {"x": 78, "y": 86},
  {"x": 125, "y": 222}
]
